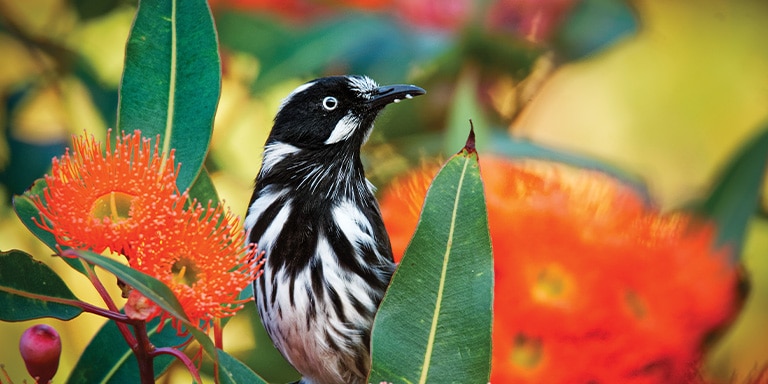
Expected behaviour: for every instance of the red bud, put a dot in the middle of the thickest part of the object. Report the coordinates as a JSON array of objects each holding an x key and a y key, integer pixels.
[{"x": 40, "y": 347}]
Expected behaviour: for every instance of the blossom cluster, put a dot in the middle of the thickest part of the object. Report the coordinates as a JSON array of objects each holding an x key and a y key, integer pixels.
[{"x": 124, "y": 200}]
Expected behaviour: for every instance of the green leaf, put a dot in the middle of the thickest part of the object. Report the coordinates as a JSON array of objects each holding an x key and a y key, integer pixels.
[
  {"x": 172, "y": 79},
  {"x": 22, "y": 276},
  {"x": 109, "y": 359},
  {"x": 203, "y": 189},
  {"x": 434, "y": 324},
  {"x": 25, "y": 209},
  {"x": 736, "y": 194},
  {"x": 233, "y": 371},
  {"x": 152, "y": 289},
  {"x": 287, "y": 52}
]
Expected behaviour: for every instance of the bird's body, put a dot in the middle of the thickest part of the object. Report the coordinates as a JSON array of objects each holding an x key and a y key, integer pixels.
[{"x": 328, "y": 257}]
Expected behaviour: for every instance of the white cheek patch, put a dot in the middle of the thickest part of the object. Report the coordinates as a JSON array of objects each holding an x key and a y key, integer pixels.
[{"x": 344, "y": 129}]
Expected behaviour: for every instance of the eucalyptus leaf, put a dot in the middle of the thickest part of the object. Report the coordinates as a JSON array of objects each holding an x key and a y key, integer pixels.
[
  {"x": 434, "y": 324},
  {"x": 203, "y": 189},
  {"x": 22, "y": 276},
  {"x": 233, "y": 371},
  {"x": 172, "y": 78},
  {"x": 152, "y": 289},
  {"x": 734, "y": 199},
  {"x": 363, "y": 43},
  {"x": 109, "y": 359}
]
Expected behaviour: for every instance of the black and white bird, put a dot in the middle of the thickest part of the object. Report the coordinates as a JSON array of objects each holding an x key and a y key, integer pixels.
[{"x": 313, "y": 212}]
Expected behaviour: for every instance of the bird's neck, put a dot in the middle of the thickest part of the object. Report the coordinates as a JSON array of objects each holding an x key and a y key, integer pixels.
[{"x": 331, "y": 172}]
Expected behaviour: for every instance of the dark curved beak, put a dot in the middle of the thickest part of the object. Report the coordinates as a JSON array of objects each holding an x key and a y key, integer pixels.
[{"x": 393, "y": 94}]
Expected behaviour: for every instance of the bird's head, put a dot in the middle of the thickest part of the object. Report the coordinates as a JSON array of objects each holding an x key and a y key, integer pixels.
[{"x": 334, "y": 110}]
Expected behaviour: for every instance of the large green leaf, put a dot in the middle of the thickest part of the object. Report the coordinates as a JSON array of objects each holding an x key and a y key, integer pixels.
[
  {"x": 736, "y": 194},
  {"x": 434, "y": 324},
  {"x": 172, "y": 79},
  {"x": 152, "y": 289},
  {"x": 109, "y": 359},
  {"x": 233, "y": 371},
  {"x": 22, "y": 276}
]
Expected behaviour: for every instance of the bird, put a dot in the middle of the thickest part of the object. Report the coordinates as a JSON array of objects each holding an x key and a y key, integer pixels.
[{"x": 328, "y": 259}]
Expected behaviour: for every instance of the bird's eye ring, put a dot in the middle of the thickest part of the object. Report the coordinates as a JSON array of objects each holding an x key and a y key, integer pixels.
[{"x": 330, "y": 103}]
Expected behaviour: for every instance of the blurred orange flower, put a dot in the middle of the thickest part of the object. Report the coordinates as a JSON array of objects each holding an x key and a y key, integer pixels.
[
  {"x": 97, "y": 199},
  {"x": 592, "y": 284}
]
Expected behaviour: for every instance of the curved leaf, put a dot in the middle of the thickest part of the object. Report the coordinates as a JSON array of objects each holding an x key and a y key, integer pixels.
[
  {"x": 286, "y": 52},
  {"x": 434, "y": 324},
  {"x": 234, "y": 371},
  {"x": 735, "y": 197},
  {"x": 203, "y": 189},
  {"x": 171, "y": 81},
  {"x": 109, "y": 359},
  {"x": 22, "y": 276},
  {"x": 152, "y": 289}
]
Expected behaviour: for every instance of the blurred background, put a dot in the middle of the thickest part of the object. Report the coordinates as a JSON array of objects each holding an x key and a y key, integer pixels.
[{"x": 663, "y": 91}]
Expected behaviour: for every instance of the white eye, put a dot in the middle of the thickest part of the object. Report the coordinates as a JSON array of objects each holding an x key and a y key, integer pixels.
[{"x": 330, "y": 103}]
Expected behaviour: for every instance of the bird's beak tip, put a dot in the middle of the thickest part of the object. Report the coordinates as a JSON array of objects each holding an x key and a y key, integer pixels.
[{"x": 395, "y": 93}]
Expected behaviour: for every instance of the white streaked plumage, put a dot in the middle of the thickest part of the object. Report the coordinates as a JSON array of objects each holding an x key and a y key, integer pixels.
[
  {"x": 363, "y": 85},
  {"x": 273, "y": 230},
  {"x": 328, "y": 259},
  {"x": 276, "y": 152},
  {"x": 258, "y": 206}
]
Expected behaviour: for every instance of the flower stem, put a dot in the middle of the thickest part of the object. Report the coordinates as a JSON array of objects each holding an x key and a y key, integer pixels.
[
  {"x": 5, "y": 373},
  {"x": 110, "y": 304},
  {"x": 182, "y": 357},
  {"x": 219, "y": 340},
  {"x": 144, "y": 353}
]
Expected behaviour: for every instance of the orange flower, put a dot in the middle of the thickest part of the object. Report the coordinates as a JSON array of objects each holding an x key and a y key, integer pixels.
[
  {"x": 97, "y": 200},
  {"x": 200, "y": 253},
  {"x": 592, "y": 284},
  {"x": 126, "y": 200}
]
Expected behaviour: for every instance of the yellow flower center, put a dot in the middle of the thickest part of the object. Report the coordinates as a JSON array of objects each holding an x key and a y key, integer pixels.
[
  {"x": 636, "y": 305},
  {"x": 526, "y": 352},
  {"x": 114, "y": 205},
  {"x": 184, "y": 272},
  {"x": 553, "y": 285}
]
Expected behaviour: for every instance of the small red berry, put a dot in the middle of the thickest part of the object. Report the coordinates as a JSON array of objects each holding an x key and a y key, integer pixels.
[{"x": 40, "y": 347}]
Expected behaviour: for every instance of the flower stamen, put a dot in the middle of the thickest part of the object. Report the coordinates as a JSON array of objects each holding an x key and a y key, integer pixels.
[{"x": 114, "y": 205}]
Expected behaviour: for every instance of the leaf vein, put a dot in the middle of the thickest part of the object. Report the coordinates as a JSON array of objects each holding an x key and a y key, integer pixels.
[{"x": 441, "y": 286}]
